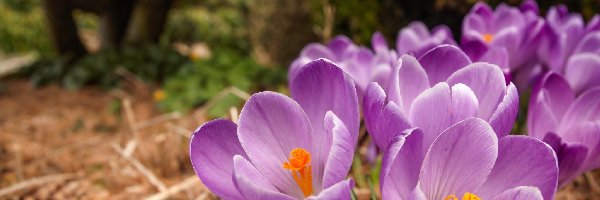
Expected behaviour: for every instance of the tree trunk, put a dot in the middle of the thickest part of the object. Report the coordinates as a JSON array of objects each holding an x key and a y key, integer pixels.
[
  {"x": 62, "y": 28},
  {"x": 148, "y": 21},
  {"x": 114, "y": 21},
  {"x": 279, "y": 30}
]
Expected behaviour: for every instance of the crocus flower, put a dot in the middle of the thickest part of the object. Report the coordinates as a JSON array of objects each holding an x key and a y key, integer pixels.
[
  {"x": 415, "y": 39},
  {"x": 439, "y": 89},
  {"x": 284, "y": 148},
  {"x": 569, "y": 123},
  {"x": 561, "y": 33},
  {"x": 505, "y": 35},
  {"x": 468, "y": 160},
  {"x": 582, "y": 69},
  {"x": 571, "y": 48},
  {"x": 361, "y": 63}
]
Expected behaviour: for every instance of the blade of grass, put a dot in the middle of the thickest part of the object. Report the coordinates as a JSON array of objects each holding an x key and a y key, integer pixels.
[
  {"x": 353, "y": 194},
  {"x": 357, "y": 171},
  {"x": 371, "y": 188}
]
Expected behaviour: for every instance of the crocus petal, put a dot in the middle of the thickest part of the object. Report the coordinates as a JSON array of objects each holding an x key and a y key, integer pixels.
[
  {"x": 487, "y": 81},
  {"x": 412, "y": 80},
  {"x": 520, "y": 193},
  {"x": 588, "y": 134},
  {"x": 585, "y": 108},
  {"x": 378, "y": 43},
  {"x": 212, "y": 148},
  {"x": 271, "y": 125},
  {"x": 401, "y": 165},
  {"x": 252, "y": 184},
  {"x": 436, "y": 109},
  {"x": 529, "y": 6},
  {"x": 505, "y": 115},
  {"x": 521, "y": 161},
  {"x": 442, "y": 61},
  {"x": 358, "y": 63},
  {"x": 383, "y": 120},
  {"x": 540, "y": 119},
  {"x": 336, "y": 92},
  {"x": 478, "y": 18},
  {"x": 508, "y": 38},
  {"x": 558, "y": 94},
  {"x": 341, "y": 153},
  {"x": 409, "y": 37},
  {"x": 548, "y": 105},
  {"x": 440, "y": 34},
  {"x": 474, "y": 48},
  {"x": 590, "y": 43},
  {"x": 310, "y": 52},
  {"x": 340, "y": 44},
  {"x": 341, "y": 190},
  {"x": 431, "y": 111},
  {"x": 315, "y": 51},
  {"x": 583, "y": 71},
  {"x": 483, "y": 10},
  {"x": 459, "y": 160},
  {"x": 507, "y": 16},
  {"x": 593, "y": 24},
  {"x": 464, "y": 102},
  {"x": 497, "y": 56},
  {"x": 570, "y": 157}
]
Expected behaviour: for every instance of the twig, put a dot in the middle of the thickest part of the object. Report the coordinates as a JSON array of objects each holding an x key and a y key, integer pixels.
[
  {"x": 88, "y": 143},
  {"x": 130, "y": 148},
  {"x": 233, "y": 111},
  {"x": 239, "y": 93},
  {"x": 188, "y": 182},
  {"x": 179, "y": 130},
  {"x": 34, "y": 182},
  {"x": 13, "y": 64},
  {"x": 18, "y": 162},
  {"x": 203, "y": 196},
  {"x": 140, "y": 167},
  {"x": 130, "y": 118},
  {"x": 329, "y": 13},
  {"x": 217, "y": 98},
  {"x": 157, "y": 120},
  {"x": 593, "y": 184}
]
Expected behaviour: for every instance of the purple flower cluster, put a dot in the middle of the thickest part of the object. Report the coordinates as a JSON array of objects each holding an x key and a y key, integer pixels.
[{"x": 441, "y": 112}]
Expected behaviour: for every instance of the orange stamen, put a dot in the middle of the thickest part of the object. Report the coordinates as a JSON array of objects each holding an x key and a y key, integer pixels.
[
  {"x": 300, "y": 168},
  {"x": 488, "y": 37},
  {"x": 467, "y": 196}
]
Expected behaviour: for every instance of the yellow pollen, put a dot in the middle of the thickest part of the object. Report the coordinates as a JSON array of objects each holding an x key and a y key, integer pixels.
[
  {"x": 467, "y": 196},
  {"x": 488, "y": 37},
  {"x": 300, "y": 168}
]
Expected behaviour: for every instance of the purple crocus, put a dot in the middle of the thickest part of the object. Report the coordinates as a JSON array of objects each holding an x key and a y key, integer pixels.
[
  {"x": 561, "y": 34},
  {"x": 571, "y": 48},
  {"x": 468, "y": 160},
  {"x": 507, "y": 36},
  {"x": 284, "y": 148},
  {"x": 439, "y": 89},
  {"x": 361, "y": 63},
  {"x": 569, "y": 123},
  {"x": 415, "y": 39},
  {"x": 582, "y": 69}
]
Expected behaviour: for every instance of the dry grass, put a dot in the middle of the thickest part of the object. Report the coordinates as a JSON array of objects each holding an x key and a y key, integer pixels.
[{"x": 57, "y": 144}]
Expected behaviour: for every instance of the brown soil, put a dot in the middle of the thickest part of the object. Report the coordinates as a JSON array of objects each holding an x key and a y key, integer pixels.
[
  {"x": 78, "y": 134},
  {"x": 51, "y": 131}
]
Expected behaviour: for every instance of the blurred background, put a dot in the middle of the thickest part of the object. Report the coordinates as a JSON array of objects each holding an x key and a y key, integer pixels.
[{"x": 98, "y": 98}]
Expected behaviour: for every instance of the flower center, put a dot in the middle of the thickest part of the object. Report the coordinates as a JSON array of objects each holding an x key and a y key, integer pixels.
[
  {"x": 299, "y": 166},
  {"x": 467, "y": 196},
  {"x": 487, "y": 38}
]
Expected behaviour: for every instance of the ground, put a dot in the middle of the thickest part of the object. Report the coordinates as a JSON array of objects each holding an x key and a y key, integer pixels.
[{"x": 91, "y": 144}]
